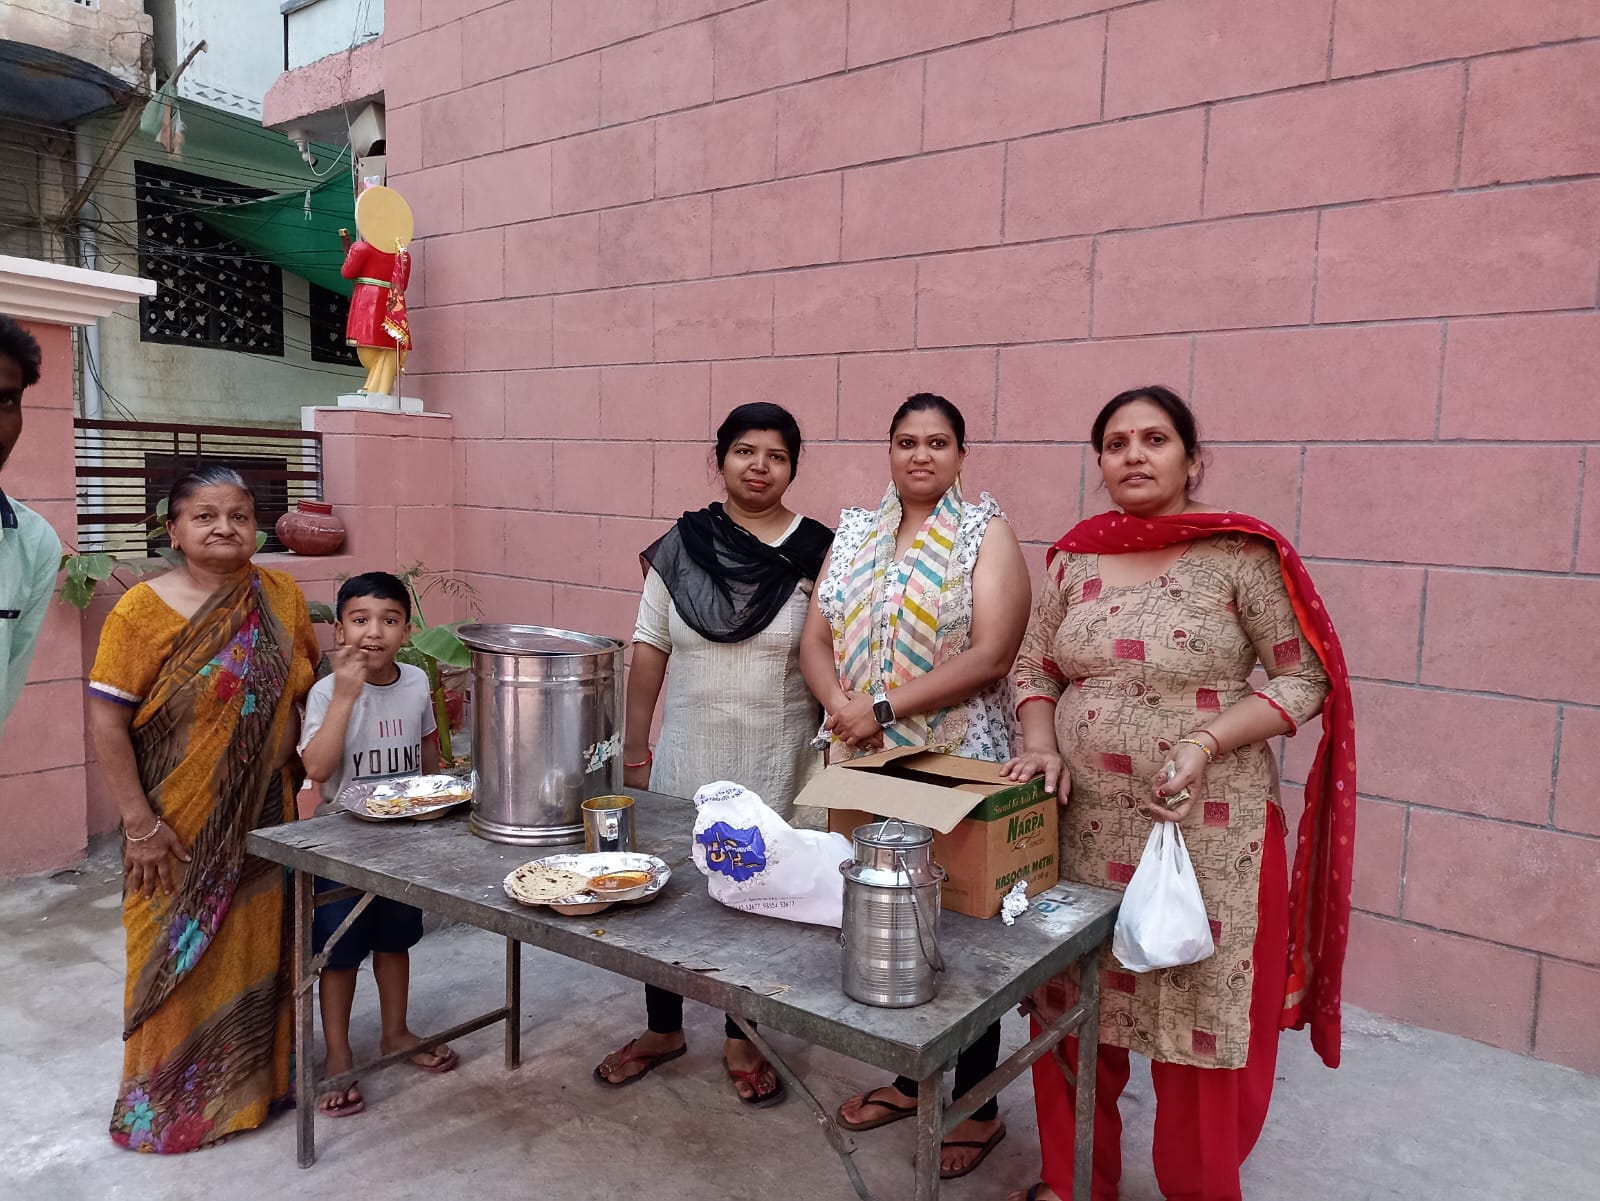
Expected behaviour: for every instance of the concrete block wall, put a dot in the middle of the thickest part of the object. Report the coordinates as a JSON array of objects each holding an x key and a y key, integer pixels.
[{"x": 1361, "y": 238}]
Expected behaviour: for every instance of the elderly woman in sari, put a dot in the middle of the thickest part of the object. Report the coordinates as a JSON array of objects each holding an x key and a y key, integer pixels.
[
  {"x": 192, "y": 707},
  {"x": 912, "y": 633},
  {"x": 1135, "y": 699}
]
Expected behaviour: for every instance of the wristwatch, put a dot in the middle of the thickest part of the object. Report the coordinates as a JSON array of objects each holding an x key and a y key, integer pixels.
[{"x": 882, "y": 710}]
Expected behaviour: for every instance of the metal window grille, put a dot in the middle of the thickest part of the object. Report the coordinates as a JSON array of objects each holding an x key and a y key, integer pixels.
[
  {"x": 125, "y": 469},
  {"x": 330, "y": 313},
  {"x": 211, "y": 292}
]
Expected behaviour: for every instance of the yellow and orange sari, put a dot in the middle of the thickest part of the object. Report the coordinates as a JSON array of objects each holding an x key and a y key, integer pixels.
[{"x": 206, "y": 1005}]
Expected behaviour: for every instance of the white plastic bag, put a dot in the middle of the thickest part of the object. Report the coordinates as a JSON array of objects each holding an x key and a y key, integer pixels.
[
  {"x": 1162, "y": 922},
  {"x": 755, "y": 861}
]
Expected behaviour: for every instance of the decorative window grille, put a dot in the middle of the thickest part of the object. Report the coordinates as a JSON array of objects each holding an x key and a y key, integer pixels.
[
  {"x": 330, "y": 312},
  {"x": 211, "y": 292}
]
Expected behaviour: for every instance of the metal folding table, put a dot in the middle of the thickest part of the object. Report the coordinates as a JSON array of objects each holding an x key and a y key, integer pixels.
[{"x": 782, "y": 975}]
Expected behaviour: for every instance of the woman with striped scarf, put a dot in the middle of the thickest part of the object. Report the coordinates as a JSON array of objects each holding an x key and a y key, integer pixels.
[{"x": 913, "y": 628}]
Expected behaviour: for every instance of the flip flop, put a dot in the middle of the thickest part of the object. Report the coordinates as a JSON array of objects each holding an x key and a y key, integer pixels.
[
  {"x": 896, "y": 1113},
  {"x": 346, "y": 1107},
  {"x": 651, "y": 1063},
  {"x": 988, "y": 1145},
  {"x": 753, "y": 1078},
  {"x": 445, "y": 1060}
]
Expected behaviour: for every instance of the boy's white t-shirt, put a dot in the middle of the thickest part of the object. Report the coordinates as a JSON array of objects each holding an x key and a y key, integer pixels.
[{"x": 387, "y": 725}]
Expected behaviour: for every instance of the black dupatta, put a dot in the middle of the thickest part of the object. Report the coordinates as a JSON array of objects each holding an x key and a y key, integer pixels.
[{"x": 725, "y": 582}]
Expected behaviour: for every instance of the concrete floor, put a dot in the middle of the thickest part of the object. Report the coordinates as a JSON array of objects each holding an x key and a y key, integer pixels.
[{"x": 1412, "y": 1114}]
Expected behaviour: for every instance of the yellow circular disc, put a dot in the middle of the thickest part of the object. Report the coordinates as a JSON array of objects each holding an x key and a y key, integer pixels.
[{"x": 384, "y": 218}]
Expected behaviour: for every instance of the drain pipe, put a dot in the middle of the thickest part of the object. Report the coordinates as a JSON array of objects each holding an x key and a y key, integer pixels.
[{"x": 91, "y": 537}]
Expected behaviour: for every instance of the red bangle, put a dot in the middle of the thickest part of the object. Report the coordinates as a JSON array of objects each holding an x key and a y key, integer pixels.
[
  {"x": 1215, "y": 741},
  {"x": 649, "y": 758}
]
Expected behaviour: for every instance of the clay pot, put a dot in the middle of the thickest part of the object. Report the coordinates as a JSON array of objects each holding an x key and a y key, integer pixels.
[{"x": 311, "y": 529}]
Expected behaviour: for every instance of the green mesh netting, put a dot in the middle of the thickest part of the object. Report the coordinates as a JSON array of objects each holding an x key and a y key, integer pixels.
[{"x": 299, "y": 231}]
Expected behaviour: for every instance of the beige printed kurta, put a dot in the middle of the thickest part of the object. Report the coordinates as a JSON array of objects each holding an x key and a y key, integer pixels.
[
  {"x": 736, "y": 711},
  {"x": 1134, "y": 669}
]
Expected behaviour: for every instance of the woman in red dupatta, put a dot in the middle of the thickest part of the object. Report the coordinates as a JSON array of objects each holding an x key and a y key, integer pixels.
[
  {"x": 1139, "y": 655},
  {"x": 192, "y": 709}
]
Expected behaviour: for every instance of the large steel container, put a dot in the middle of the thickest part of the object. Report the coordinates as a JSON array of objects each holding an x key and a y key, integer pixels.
[
  {"x": 547, "y": 729},
  {"x": 890, "y": 931}
]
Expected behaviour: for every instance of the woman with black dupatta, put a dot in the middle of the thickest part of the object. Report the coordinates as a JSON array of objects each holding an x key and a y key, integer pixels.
[{"x": 725, "y": 599}]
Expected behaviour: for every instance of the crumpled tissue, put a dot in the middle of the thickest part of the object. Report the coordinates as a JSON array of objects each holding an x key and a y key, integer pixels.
[{"x": 1015, "y": 903}]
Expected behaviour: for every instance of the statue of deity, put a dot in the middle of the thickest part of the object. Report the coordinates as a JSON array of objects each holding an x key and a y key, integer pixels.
[{"x": 380, "y": 267}]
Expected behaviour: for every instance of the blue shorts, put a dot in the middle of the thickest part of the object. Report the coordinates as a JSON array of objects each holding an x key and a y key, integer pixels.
[{"x": 385, "y": 926}]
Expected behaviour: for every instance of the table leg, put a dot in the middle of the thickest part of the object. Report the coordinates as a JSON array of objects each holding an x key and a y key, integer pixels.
[
  {"x": 930, "y": 1138},
  {"x": 513, "y": 1004},
  {"x": 304, "y": 1027},
  {"x": 838, "y": 1138},
  {"x": 1088, "y": 1051}
]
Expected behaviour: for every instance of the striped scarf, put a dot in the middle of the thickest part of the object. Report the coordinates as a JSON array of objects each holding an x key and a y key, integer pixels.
[{"x": 891, "y": 631}]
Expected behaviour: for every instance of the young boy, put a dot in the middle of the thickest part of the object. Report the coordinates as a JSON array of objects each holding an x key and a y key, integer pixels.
[{"x": 372, "y": 718}]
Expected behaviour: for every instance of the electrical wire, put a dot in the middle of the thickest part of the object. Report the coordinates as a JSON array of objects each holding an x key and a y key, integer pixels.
[
  {"x": 328, "y": 369},
  {"x": 232, "y": 125},
  {"x": 105, "y": 392},
  {"x": 343, "y": 150},
  {"x": 192, "y": 298},
  {"x": 123, "y": 263},
  {"x": 125, "y": 183},
  {"x": 98, "y": 141}
]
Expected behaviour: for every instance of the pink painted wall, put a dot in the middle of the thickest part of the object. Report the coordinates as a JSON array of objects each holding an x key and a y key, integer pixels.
[
  {"x": 42, "y": 794},
  {"x": 1363, "y": 240}
]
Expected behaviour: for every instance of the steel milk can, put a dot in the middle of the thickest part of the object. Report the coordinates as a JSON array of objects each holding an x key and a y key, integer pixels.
[{"x": 890, "y": 931}]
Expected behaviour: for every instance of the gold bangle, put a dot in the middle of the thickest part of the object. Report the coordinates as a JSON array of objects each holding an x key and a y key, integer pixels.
[
  {"x": 143, "y": 837},
  {"x": 1196, "y": 742}
]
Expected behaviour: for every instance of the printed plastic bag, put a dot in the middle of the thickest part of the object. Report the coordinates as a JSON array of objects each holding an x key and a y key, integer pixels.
[
  {"x": 1162, "y": 922},
  {"x": 755, "y": 861}
]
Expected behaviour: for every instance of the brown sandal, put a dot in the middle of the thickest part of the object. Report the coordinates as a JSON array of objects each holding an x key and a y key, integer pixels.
[
  {"x": 988, "y": 1145},
  {"x": 895, "y": 1113},
  {"x": 651, "y": 1063},
  {"x": 343, "y": 1106}
]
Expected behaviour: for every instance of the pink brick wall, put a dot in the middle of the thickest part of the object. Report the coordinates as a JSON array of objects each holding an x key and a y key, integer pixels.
[
  {"x": 43, "y": 800},
  {"x": 1361, "y": 237}
]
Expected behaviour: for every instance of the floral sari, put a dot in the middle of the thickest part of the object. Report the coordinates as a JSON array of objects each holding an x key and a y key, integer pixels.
[{"x": 206, "y": 1003}]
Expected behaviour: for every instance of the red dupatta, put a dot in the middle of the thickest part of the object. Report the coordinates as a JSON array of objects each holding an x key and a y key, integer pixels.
[{"x": 1319, "y": 887}]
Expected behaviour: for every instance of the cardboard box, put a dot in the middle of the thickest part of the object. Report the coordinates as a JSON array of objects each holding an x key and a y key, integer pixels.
[{"x": 990, "y": 832}]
